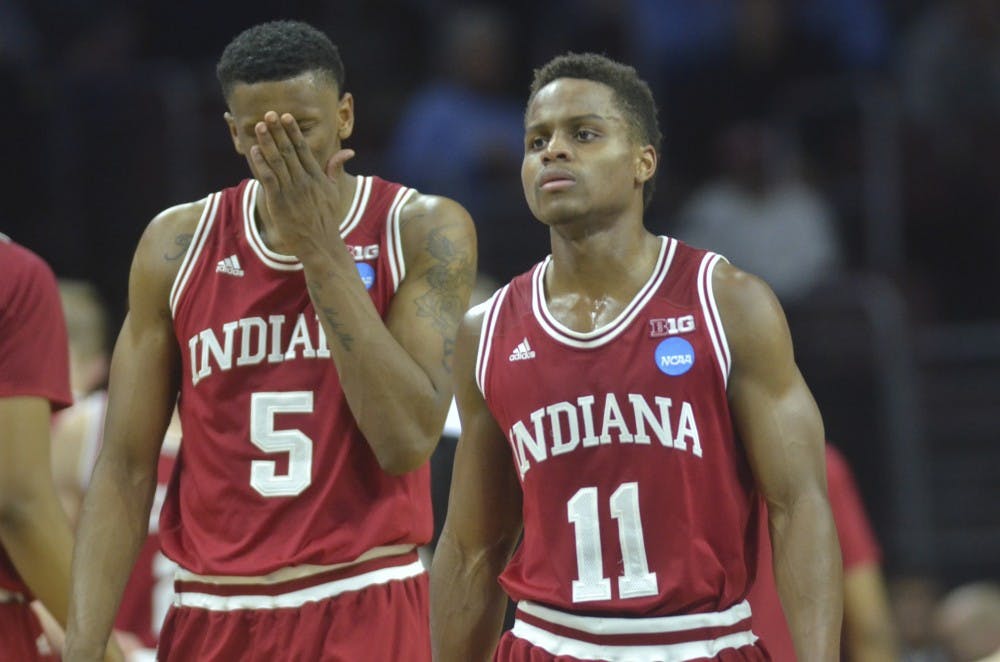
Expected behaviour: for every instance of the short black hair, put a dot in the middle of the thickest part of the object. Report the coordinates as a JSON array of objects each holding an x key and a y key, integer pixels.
[
  {"x": 278, "y": 50},
  {"x": 631, "y": 91}
]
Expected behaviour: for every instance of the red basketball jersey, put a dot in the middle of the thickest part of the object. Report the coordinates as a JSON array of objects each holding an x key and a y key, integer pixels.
[
  {"x": 34, "y": 351},
  {"x": 273, "y": 470},
  {"x": 638, "y": 500}
]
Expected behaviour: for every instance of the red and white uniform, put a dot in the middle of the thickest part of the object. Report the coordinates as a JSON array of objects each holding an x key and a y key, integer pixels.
[
  {"x": 34, "y": 362},
  {"x": 639, "y": 507},
  {"x": 858, "y": 547},
  {"x": 274, "y": 473}
]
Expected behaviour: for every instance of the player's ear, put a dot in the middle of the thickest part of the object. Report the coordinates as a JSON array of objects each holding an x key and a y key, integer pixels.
[
  {"x": 645, "y": 164},
  {"x": 345, "y": 116},
  {"x": 234, "y": 132}
]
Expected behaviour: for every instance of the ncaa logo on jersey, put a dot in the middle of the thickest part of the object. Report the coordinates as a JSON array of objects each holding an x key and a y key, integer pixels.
[
  {"x": 367, "y": 273},
  {"x": 674, "y": 356}
]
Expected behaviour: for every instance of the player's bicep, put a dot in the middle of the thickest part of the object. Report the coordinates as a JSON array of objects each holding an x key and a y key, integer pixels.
[
  {"x": 484, "y": 504},
  {"x": 773, "y": 411},
  {"x": 440, "y": 252}
]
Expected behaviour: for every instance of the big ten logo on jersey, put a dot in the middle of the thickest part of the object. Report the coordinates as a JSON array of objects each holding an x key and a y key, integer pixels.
[
  {"x": 670, "y": 326},
  {"x": 361, "y": 253}
]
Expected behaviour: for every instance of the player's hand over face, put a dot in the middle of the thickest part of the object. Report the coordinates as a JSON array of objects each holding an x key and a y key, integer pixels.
[{"x": 302, "y": 196}]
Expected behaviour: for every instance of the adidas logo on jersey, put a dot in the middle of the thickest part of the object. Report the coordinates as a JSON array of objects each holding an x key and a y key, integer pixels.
[
  {"x": 231, "y": 266},
  {"x": 522, "y": 352}
]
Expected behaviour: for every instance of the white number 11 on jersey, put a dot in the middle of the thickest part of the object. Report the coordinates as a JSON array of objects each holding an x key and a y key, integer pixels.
[{"x": 637, "y": 581}]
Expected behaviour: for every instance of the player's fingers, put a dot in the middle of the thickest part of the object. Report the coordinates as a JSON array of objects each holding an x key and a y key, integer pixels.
[
  {"x": 278, "y": 128},
  {"x": 269, "y": 151},
  {"x": 262, "y": 171},
  {"x": 335, "y": 165},
  {"x": 298, "y": 141}
]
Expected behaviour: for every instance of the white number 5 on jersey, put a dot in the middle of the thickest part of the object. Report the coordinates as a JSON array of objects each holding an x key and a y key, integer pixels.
[{"x": 263, "y": 476}]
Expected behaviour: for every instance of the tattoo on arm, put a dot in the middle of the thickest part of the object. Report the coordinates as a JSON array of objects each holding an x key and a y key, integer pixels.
[
  {"x": 447, "y": 277},
  {"x": 330, "y": 315},
  {"x": 182, "y": 242}
]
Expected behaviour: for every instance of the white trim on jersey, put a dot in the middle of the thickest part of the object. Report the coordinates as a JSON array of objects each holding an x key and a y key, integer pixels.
[
  {"x": 486, "y": 335},
  {"x": 197, "y": 243},
  {"x": 601, "y": 625},
  {"x": 394, "y": 244},
  {"x": 603, "y": 335},
  {"x": 270, "y": 258},
  {"x": 358, "y": 204},
  {"x": 300, "y": 597},
  {"x": 691, "y": 650},
  {"x": 709, "y": 309}
]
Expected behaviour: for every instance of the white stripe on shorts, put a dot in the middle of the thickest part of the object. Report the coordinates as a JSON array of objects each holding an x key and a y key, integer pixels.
[
  {"x": 691, "y": 650},
  {"x": 300, "y": 597}
]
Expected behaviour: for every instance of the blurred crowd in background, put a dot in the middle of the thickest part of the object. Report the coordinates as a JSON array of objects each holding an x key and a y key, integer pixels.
[{"x": 844, "y": 150}]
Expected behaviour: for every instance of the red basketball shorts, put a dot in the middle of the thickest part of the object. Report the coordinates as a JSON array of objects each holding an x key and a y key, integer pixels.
[
  {"x": 374, "y": 611},
  {"x": 542, "y": 634}
]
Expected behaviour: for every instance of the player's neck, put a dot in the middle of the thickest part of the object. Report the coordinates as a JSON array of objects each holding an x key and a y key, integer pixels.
[
  {"x": 615, "y": 262},
  {"x": 271, "y": 234}
]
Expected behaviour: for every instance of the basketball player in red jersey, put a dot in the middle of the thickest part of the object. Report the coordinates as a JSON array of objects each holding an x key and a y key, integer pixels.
[
  {"x": 645, "y": 391},
  {"x": 307, "y": 317},
  {"x": 35, "y": 537}
]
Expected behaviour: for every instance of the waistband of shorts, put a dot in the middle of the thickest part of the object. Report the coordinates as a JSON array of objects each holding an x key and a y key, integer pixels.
[
  {"x": 8, "y": 597},
  {"x": 296, "y": 592},
  {"x": 683, "y": 637}
]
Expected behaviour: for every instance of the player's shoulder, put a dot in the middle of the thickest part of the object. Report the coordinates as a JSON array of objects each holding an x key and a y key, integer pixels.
[
  {"x": 741, "y": 296},
  {"x": 165, "y": 242},
  {"x": 472, "y": 321},
  {"x": 477, "y": 315},
  {"x": 436, "y": 231},
  {"x": 425, "y": 213},
  {"x": 25, "y": 276},
  {"x": 749, "y": 310},
  {"x": 170, "y": 232},
  {"x": 21, "y": 261},
  {"x": 177, "y": 221}
]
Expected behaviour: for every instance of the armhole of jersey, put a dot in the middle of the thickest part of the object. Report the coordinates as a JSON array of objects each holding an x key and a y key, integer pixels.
[
  {"x": 197, "y": 243},
  {"x": 91, "y": 446},
  {"x": 394, "y": 244},
  {"x": 710, "y": 311},
  {"x": 486, "y": 336}
]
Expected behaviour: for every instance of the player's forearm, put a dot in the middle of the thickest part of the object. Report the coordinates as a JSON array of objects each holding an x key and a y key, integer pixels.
[
  {"x": 807, "y": 568},
  {"x": 113, "y": 524},
  {"x": 37, "y": 537},
  {"x": 467, "y": 604},
  {"x": 376, "y": 372}
]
